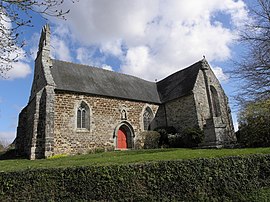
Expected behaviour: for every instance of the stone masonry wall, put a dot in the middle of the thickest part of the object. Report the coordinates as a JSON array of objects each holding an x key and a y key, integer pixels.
[
  {"x": 222, "y": 125},
  {"x": 105, "y": 116},
  {"x": 35, "y": 130},
  {"x": 26, "y": 127},
  {"x": 34, "y": 123},
  {"x": 181, "y": 113},
  {"x": 200, "y": 96},
  {"x": 22, "y": 139}
]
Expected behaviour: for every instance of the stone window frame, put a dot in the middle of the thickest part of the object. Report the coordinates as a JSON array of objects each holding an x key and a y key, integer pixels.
[
  {"x": 82, "y": 105},
  {"x": 123, "y": 112},
  {"x": 215, "y": 101},
  {"x": 149, "y": 119}
]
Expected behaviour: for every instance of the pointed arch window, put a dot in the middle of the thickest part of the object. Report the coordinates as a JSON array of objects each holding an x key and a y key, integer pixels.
[
  {"x": 83, "y": 116},
  {"x": 215, "y": 102},
  {"x": 147, "y": 118}
]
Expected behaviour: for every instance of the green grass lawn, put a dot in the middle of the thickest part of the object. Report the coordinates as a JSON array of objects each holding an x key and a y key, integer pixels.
[{"x": 126, "y": 157}]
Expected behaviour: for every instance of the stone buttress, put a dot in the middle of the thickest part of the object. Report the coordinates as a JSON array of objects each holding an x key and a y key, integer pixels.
[{"x": 35, "y": 129}]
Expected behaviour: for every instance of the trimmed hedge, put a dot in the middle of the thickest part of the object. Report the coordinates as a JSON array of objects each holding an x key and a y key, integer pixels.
[{"x": 218, "y": 179}]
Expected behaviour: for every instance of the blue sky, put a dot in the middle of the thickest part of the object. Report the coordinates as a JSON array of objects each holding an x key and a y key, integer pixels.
[{"x": 149, "y": 39}]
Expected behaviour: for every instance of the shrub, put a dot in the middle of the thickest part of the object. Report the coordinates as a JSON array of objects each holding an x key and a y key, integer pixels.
[
  {"x": 175, "y": 140},
  {"x": 190, "y": 137},
  {"x": 193, "y": 137},
  {"x": 254, "y": 127},
  {"x": 164, "y": 133}
]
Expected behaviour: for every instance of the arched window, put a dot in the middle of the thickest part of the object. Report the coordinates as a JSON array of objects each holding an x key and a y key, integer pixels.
[
  {"x": 147, "y": 118},
  {"x": 215, "y": 102},
  {"x": 83, "y": 116}
]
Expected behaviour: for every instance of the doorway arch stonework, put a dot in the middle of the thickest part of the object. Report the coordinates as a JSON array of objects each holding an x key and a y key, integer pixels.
[{"x": 124, "y": 136}]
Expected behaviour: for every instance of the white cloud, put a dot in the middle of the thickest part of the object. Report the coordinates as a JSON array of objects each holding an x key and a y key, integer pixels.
[
  {"x": 33, "y": 44},
  {"x": 137, "y": 59},
  {"x": 107, "y": 67},
  {"x": 85, "y": 56},
  {"x": 220, "y": 74},
  {"x": 18, "y": 70},
  {"x": 59, "y": 49},
  {"x": 112, "y": 47},
  {"x": 154, "y": 38}
]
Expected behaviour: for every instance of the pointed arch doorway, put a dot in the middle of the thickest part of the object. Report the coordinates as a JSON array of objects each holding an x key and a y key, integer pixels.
[{"x": 124, "y": 136}]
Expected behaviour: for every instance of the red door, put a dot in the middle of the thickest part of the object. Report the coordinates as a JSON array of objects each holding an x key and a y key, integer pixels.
[{"x": 121, "y": 139}]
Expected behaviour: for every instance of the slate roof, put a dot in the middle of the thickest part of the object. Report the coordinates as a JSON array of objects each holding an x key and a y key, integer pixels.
[
  {"x": 85, "y": 79},
  {"x": 178, "y": 84}
]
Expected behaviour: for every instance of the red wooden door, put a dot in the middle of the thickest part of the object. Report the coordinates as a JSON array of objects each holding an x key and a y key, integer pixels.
[{"x": 121, "y": 139}]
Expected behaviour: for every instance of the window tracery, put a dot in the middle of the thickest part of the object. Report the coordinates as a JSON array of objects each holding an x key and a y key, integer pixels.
[
  {"x": 83, "y": 116},
  {"x": 147, "y": 118}
]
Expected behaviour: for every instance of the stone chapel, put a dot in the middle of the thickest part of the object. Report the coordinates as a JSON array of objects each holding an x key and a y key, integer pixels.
[{"x": 73, "y": 108}]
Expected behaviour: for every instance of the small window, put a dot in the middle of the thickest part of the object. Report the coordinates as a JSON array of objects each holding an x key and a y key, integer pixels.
[
  {"x": 147, "y": 118},
  {"x": 123, "y": 115},
  {"x": 83, "y": 116}
]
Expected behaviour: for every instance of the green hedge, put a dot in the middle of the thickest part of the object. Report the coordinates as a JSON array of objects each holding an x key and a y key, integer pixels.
[{"x": 217, "y": 179}]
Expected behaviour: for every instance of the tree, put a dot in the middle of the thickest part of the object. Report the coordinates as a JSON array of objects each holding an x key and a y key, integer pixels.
[
  {"x": 254, "y": 124},
  {"x": 253, "y": 69},
  {"x": 15, "y": 14}
]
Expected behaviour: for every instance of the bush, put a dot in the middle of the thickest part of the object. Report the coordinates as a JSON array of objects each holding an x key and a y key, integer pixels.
[
  {"x": 176, "y": 140},
  {"x": 188, "y": 138},
  {"x": 164, "y": 133},
  {"x": 216, "y": 179},
  {"x": 254, "y": 127},
  {"x": 193, "y": 137},
  {"x": 147, "y": 140}
]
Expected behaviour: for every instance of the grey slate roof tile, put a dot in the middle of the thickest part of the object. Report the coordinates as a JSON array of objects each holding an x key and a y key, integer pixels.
[
  {"x": 178, "y": 84},
  {"x": 85, "y": 79}
]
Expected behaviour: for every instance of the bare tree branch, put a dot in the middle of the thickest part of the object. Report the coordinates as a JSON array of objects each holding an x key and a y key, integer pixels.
[
  {"x": 15, "y": 14},
  {"x": 253, "y": 68}
]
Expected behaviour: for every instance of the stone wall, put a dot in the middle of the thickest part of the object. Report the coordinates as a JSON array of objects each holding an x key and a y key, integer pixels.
[
  {"x": 181, "y": 113},
  {"x": 217, "y": 129},
  {"x": 105, "y": 116},
  {"x": 22, "y": 140},
  {"x": 30, "y": 140}
]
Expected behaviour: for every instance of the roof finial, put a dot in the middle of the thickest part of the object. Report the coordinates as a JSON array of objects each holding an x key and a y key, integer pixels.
[{"x": 204, "y": 57}]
